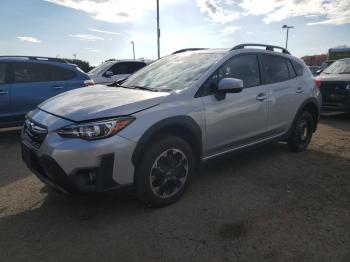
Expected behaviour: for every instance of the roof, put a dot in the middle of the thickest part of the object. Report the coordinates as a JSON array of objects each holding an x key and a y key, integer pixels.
[
  {"x": 248, "y": 46},
  {"x": 32, "y": 58}
]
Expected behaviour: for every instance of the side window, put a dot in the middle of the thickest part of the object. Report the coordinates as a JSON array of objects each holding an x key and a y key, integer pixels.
[
  {"x": 35, "y": 72},
  {"x": 119, "y": 68},
  {"x": 275, "y": 69},
  {"x": 298, "y": 68},
  {"x": 135, "y": 66},
  {"x": 244, "y": 67},
  {"x": 60, "y": 74},
  {"x": 291, "y": 70},
  {"x": 30, "y": 72},
  {"x": 3, "y": 68}
]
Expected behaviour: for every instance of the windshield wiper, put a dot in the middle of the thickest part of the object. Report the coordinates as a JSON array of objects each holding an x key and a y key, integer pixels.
[{"x": 144, "y": 88}]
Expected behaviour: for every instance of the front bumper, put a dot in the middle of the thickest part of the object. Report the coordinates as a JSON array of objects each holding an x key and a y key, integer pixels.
[
  {"x": 336, "y": 106},
  {"x": 75, "y": 165},
  {"x": 83, "y": 180}
]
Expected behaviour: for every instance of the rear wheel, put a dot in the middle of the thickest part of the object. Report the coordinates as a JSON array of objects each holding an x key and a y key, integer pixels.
[
  {"x": 301, "y": 133},
  {"x": 165, "y": 171}
]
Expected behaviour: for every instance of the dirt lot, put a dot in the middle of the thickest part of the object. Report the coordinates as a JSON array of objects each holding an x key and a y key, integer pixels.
[{"x": 264, "y": 205}]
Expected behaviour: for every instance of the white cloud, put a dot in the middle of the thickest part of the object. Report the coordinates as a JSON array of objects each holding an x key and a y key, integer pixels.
[
  {"x": 88, "y": 38},
  {"x": 250, "y": 33},
  {"x": 217, "y": 13},
  {"x": 230, "y": 29},
  {"x": 29, "y": 39},
  {"x": 115, "y": 11},
  {"x": 335, "y": 12},
  {"x": 103, "y": 32},
  {"x": 92, "y": 50}
]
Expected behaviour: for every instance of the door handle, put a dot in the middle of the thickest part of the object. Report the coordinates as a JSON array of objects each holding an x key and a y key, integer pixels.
[
  {"x": 3, "y": 92},
  {"x": 300, "y": 90},
  {"x": 261, "y": 97},
  {"x": 57, "y": 87}
]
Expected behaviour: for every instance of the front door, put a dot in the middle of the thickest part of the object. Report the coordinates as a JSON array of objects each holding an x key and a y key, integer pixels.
[
  {"x": 5, "y": 110},
  {"x": 238, "y": 119}
]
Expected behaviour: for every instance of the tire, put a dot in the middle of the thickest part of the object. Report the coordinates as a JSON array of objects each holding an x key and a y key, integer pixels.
[
  {"x": 301, "y": 133},
  {"x": 164, "y": 171}
]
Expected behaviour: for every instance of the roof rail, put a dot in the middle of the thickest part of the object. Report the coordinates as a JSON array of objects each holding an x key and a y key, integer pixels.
[
  {"x": 187, "y": 50},
  {"x": 268, "y": 47},
  {"x": 38, "y": 58}
]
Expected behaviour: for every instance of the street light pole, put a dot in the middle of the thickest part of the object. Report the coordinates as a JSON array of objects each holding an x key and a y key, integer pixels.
[
  {"x": 158, "y": 30},
  {"x": 133, "y": 48},
  {"x": 287, "y": 27}
]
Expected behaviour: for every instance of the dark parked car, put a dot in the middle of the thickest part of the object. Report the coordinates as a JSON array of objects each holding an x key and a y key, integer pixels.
[
  {"x": 334, "y": 83},
  {"x": 25, "y": 82}
]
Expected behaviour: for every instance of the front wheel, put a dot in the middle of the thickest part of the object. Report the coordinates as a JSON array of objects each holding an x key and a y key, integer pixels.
[
  {"x": 301, "y": 133},
  {"x": 164, "y": 171}
]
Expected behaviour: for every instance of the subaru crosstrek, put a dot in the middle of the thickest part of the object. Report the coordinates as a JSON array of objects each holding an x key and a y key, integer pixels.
[
  {"x": 27, "y": 81},
  {"x": 154, "y": 130}
]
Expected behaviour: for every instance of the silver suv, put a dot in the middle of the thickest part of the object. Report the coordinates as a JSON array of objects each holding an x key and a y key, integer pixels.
[{"x": 154, "y": 130}]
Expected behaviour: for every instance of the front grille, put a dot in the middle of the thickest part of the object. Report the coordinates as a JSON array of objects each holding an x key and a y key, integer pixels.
[
  {"x": 35, "y": 133},
  {"x": 336, "y": 87},
  {"x": 335, "y": 91}
]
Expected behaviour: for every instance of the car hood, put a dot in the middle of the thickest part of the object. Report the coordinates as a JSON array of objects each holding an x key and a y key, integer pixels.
[
  {"x": 334, "y": 77},
  {"x": 101, "y": 102}
]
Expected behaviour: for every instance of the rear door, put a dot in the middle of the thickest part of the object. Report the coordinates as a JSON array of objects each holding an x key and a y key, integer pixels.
[
  {"x": 5, "y": 109},
  {"x": 279, "y": 79},
  {"x": 32, "y": 84},
  {"x": 239, "y": 119}
]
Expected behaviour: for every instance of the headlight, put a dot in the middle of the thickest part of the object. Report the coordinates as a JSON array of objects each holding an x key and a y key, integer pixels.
[{"x": 96, "y": 130}]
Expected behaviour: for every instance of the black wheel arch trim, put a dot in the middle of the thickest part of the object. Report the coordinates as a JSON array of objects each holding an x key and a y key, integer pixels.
[
  {"x": 175, "y": 121},
  {"x": 314, "y": 102}
]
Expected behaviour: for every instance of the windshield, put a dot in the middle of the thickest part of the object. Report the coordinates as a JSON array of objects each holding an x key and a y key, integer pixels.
[
  {"x": 338, "y": 67},
  {"x": 98, "y": 69},
  {"x": 173, "y": 72}
]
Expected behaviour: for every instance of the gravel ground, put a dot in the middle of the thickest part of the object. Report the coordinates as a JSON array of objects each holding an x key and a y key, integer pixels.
[{"x": 263, "y": 205}]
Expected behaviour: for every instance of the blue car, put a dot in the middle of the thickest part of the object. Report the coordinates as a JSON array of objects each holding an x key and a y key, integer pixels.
[{"x": 25, "y": 82}]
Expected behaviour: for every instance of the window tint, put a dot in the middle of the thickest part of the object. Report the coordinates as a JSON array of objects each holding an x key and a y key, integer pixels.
[
  {"x": 126, "y": 67},
  {"x": 244, "y": 67},
  {"x": 63, "y": 74},
  {"x": 133, "y": 67},
  {"x": 120, "y": 68},
  {"x": 298, "y": 68},
  {"x": 34, "y": 72},
  {"x": 275, "y": 68},
  {"x": 291, "y": 70},
  {"x": 3, "y": 73}
]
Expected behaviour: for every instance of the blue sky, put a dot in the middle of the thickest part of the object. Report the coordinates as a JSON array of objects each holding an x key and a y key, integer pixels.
[{"x": 96, "y": 30}]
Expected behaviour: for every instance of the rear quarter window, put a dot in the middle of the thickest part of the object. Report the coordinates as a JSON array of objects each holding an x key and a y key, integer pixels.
[
  {"x": 299, "y": 69},
  {"x": 292, "y": 72}
]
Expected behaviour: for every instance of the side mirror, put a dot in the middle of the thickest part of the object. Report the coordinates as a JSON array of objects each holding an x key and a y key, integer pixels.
[
  {"x": 109, "y": 74},
  {"x": 120, "y": 81},
  {"x": 229, "y": 85}
]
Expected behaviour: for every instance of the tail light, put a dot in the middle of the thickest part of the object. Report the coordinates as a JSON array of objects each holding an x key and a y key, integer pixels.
[
  {"x": 318, "y": 82},
  {"x": 89, "y": 82}
]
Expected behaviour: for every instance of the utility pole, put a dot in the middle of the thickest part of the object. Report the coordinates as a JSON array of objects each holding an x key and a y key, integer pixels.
[
  {"x": 133, "y": 48},
  {"x": 158, "y": 30},
  {"x": 287, "y": 27}
]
